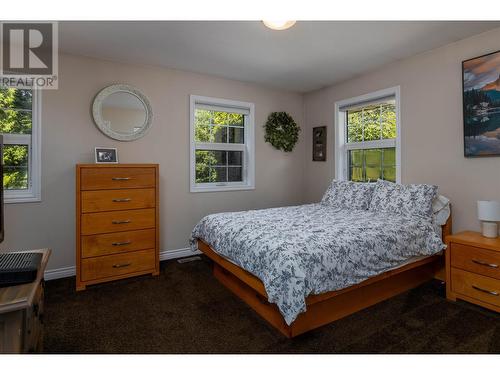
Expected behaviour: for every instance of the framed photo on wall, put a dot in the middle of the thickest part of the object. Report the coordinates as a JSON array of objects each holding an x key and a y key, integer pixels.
[
  {"x": 319, "y": 143},
  {"x": 105, "y": 155},
  {"x": 481, "y": 105}
]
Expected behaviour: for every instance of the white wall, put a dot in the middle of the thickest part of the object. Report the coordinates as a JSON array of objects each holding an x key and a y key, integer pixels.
[
  {"x": 432, "y": 126},
  {"x": 432, "y": 143},
  {"x": 69, "y": 137}
]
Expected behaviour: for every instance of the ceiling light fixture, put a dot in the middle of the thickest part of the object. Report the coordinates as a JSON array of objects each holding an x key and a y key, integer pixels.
[{"x": 279, "y": 25}]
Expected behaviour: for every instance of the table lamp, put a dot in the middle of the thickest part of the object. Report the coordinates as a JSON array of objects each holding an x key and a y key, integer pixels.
[{"x": 489, "y": 213}]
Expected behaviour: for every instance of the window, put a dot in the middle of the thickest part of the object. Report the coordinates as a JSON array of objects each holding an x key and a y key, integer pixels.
[
  {"x": 20, "y": 127},
  {"x": 368, "y": 131},
  {"x": 222, "y": 145}
]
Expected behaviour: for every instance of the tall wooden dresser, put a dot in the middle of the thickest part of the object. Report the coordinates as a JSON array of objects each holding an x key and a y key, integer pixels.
[{"x": 117, "y": 222}]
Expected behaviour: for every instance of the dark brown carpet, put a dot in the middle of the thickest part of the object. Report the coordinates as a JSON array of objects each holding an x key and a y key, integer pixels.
[{"x": 185, "y": 310}]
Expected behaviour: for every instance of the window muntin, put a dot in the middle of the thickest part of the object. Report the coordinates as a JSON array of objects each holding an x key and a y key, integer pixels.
[
  {"x": 219, "y": 166},
  {"x": 371, "y": 122},
  {"x": 367, "y": 165},
  {"x": 16, "y": 166},
  {"x": 367, "y": 146},
  {"x": 219, "y": 127},
  {"x": 19, "y": 125},
  {"x": 222, "y": 144},
  {"x": 367, "y": 123}
]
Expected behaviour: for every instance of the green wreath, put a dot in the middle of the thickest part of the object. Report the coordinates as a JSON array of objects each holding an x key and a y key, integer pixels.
[{"x": 281, "y": 131}]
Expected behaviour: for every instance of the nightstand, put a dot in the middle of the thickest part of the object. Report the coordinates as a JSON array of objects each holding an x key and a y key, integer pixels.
[
  {"x": 473, "y": 269},
  {"x": 21, "y": 313}
]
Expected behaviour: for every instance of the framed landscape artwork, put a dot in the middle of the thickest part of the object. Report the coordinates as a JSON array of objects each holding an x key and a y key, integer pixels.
[{"x": 481, "y": 105}]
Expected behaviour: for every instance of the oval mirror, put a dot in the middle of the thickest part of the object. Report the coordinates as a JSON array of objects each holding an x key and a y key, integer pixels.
[{"x": 122, "y": 112}]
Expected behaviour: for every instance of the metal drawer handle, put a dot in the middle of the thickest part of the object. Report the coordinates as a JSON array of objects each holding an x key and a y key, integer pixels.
[
  {"x": 122, "y": 200},
  {"x": 121, "y": 243},
  {"x": 121, "y": 221},
  {"x": 121, "y": 265},
  {"x": 120, "y": 178},
  {"x": 485, "y": 290},
  {"x": 483, "y": 263}
]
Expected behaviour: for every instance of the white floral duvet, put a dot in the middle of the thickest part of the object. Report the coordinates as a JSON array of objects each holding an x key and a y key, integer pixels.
[{"x": 315, "y": 248}]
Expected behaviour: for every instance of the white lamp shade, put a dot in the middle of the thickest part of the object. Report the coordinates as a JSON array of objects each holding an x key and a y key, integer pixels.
[{"x": 488, "y": 210}]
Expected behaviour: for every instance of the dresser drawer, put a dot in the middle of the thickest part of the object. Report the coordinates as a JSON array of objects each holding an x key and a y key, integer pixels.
[
  {"x": 118, "y": 264},
  {"x": 113, "y": 243},
  {"x": 117, "y": 221},
  {"x": 475, "y": 259},
  {"x": 476, "y": 286},
  {"x": 112, "y": 200},
  {"x": 117, "y": 178}
]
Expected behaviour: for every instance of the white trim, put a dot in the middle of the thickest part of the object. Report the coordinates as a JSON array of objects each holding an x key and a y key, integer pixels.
[
  {"x": 221, "y": 146},
  {"x": 384, "y": 143},
  {"x": 248, "y": 148},
  {"x": 59, "y": 273},
  {"x": 33, "y": 194},
  {"x": 339, "y": 128},
  {"x": 212, "y": 107},
  {"x": 211, "y": 101},
  {"x": 178, "y": 253}
]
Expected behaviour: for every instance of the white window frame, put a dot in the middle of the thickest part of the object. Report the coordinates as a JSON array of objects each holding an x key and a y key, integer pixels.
[
  {"x": 342, "y": 147},
  {"x": 33, "y": 193},
  {"x": 248, "y": 147}
]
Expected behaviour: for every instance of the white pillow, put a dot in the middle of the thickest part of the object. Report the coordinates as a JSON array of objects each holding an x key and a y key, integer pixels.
[
  {"x": 440, "y": 210},
  {"x": 406, "y": 200},
  {"x": 349, "y": 194}
]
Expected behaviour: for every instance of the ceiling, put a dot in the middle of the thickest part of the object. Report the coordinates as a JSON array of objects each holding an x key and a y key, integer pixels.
[{"x": 310, "y": 55}]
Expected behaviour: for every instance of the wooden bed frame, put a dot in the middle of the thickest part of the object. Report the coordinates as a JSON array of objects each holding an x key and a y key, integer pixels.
[{"x": 326, "y": 307}]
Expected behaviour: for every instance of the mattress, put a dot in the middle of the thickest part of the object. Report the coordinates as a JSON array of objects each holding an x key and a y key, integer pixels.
[{"x": 312, "y": 249}]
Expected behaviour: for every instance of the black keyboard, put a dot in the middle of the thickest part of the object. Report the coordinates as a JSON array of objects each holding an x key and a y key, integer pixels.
[{"x": 19, "y": 267}]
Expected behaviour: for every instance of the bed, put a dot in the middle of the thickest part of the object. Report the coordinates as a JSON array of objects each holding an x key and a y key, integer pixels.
[{"x": 301, "y": 267}]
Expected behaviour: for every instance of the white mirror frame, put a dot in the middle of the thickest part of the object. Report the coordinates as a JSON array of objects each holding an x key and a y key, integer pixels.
[{"x": 100, "y": 123}]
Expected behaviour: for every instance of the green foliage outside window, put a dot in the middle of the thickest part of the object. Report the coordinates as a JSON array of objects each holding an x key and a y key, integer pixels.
[
  {"x": 15, "y": 118},
  {"x": 217, "y": 127},
  {"x": 15, "y": 174},
  {"x": 372, "y": 164},
  {"x": 371, "y": 123}
]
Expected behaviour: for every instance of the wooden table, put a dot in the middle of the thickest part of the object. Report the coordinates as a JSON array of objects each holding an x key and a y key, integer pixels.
[{"x": 21, "y": 313}]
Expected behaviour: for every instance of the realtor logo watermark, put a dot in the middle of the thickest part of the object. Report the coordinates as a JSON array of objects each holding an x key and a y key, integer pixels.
[{"x": 29, "y": 55}]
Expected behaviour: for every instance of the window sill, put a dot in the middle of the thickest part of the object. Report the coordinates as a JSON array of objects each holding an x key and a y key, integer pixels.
[
  {"x": 208, "y": 189},
  {"x": 28, "y": 198}
]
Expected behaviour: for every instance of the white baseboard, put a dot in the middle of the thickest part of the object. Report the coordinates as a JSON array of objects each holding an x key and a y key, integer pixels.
[
  {"x": 178, "y": 253},
  {"x": 59, "y": 273}
]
